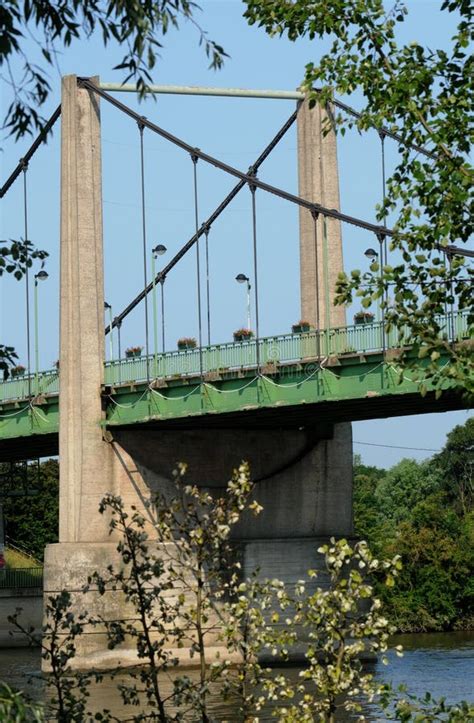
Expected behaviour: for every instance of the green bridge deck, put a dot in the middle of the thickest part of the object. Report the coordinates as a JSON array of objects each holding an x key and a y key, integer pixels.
[{"x": 336, "y": 375}]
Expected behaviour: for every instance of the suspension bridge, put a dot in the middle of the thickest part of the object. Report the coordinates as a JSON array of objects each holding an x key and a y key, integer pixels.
[{"x": 283, "y": 402}]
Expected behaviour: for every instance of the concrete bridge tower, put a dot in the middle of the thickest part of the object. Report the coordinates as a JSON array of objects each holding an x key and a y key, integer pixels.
[{"x": 304, "y": 474}]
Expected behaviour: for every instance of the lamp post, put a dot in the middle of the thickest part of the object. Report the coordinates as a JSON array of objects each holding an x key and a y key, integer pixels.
[
  {"x": 108, "y": 307},
  {"x": 372, "y": 255},
  {"x": 159, "y": 250},
  {"x": 40, "y": 276},
  {"x": 242, "y": 279}
]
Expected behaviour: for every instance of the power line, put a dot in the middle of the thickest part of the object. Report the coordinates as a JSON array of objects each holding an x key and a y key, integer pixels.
[{"x": 396, "y": 446}]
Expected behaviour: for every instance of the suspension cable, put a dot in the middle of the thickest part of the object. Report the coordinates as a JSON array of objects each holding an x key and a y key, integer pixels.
[
  {"x": 141, "y": 127},
  {"x": 246, "y": 177},
  {"x": 43, "y": 135},
  {"x": 163, "y": 340},
  {"x": 207, "y": 224},
  {"x": 208, "y": 300},
  {"x": 194, "y": 159},
  {"x": 315, "y": 217},
  {"x": 383, "y": 241},
  {"x": 27, "y": 280},
  {"x": 255, "y": 274}
]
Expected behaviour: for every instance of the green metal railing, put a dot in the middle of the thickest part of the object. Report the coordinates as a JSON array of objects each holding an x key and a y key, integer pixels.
[
  {"x": 286, "y": 348},
  {"x": 46, "y": 382},
  {"x": 21, "y": 577}
]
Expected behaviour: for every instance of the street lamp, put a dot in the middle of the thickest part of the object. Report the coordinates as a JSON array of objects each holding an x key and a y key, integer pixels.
[
  {"x": 159, "y": 250},
  {"x": 373, "y": 255},
  {"x": 108, "y": 307},
  {"x": 242, "y": 279},
  {"x": 40, "y": 276}
]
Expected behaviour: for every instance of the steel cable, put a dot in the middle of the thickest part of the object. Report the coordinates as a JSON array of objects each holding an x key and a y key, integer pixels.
[
  {"x": 145, "y": 277},
  {"x": 27, "y": 281},
  {"x": 194, "y": 159}
]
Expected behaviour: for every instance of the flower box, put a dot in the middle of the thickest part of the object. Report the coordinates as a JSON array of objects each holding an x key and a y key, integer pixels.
[
  {"x": 133, "y": 351},
  {"x": 363, "y": 317},
  {"x": 186, "y": 343},
  {"x": 18, "y": 371},
  {"x": 302, "y": 327},
  {"x": 243, "y": 335}
]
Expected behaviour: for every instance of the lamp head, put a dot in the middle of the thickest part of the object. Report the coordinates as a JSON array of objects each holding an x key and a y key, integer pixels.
[
  {"x": 159, "y": 250},
  {"x": 242, "y": 278},
  {"x": 41, "y": 275},
  {"x": 107, "y": 305},
  {"x": 371, "y": 254}
]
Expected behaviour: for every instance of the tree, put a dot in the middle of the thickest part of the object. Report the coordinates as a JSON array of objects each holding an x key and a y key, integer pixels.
[
  {"x": 424, "y": 96},
  {"x": 138, "y": 27},
  {"x": 32, "y": 520},
  {"x": 423, "y": 512},
  {"x": 456, "y": 465}
]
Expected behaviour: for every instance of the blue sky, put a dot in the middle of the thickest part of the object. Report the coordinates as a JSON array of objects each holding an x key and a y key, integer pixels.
[{"x": 235, "y": 130}]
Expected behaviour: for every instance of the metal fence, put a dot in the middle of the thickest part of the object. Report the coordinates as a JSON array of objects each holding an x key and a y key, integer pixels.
[
  {"x": 285, "y": 348},
  {"x": 21, "y": 578}
]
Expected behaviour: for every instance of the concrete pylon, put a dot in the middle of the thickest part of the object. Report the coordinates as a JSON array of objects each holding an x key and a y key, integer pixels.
[
  {"x": 318, "y": 178},
  {"x": 81, "y": 446},
  {"x": 90, "y": 466}
]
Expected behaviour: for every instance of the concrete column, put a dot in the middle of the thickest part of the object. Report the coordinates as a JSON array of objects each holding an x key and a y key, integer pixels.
[
  {"x": 318, "y": 182},
  {"x": 81, "y": 446},
  {"x": 89, "y": 465}
]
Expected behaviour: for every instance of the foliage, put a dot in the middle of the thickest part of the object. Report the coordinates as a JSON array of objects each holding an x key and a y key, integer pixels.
[
  {"x": 344, "y": 623},
  {"x": 424, "y": 513},
  {"x": 138, "y": 28},
  {"x": 68, "y": 692},
  {"x": 179, "y": 578},
  {"x": 32, "y": 521},
  {"x": 16, "y": 257},
  {"x": 15, "y": 707},
  {"x": 424, "y": 95}
]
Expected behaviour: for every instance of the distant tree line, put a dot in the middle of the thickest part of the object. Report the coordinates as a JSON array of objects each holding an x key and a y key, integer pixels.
[{"x": 423, "y": 511}]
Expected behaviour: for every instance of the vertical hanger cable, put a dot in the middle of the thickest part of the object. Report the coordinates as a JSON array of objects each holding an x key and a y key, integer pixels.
[
  {"x": 255, "y": 275},
  {"x": 194, "y": 159},
  {"x": 27, "y": 280},
  {"x": 208, "y": 288},
  {"x": 315, "y": 216},
  {"x": 145, "y": 276}
]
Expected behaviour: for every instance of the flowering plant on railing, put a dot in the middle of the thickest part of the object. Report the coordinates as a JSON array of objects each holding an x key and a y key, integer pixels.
[
  {"x": 187, "y": 342},
  {"x": 18, "y": 371},
  {"x": 243, "y": 334},
  {"x": 301, "y": 327},
  {"x": 363, "y": 317},
  {"x": 133, "y": 351}
]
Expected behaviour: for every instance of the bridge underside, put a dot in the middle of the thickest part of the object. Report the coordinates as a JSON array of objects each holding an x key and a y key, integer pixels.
[{"x": 350, "y": 388}]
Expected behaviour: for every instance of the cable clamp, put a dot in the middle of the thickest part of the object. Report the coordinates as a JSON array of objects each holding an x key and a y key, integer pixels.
[
  {"x": 315, "y": 213},
  {"x": 252, "y": 174},
  {"x": 141, "y": 123},
  {"x": 195, "y": 155}
]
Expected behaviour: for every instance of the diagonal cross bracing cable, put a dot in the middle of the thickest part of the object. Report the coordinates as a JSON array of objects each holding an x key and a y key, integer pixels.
[
  {"x": 160, "y": 277},
  {"x": 42, "y": 137},
  {"x": 246, "y": 177}
]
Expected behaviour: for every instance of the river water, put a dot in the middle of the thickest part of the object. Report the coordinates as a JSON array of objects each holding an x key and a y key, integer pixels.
[{"x": 442, "y": 663}]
